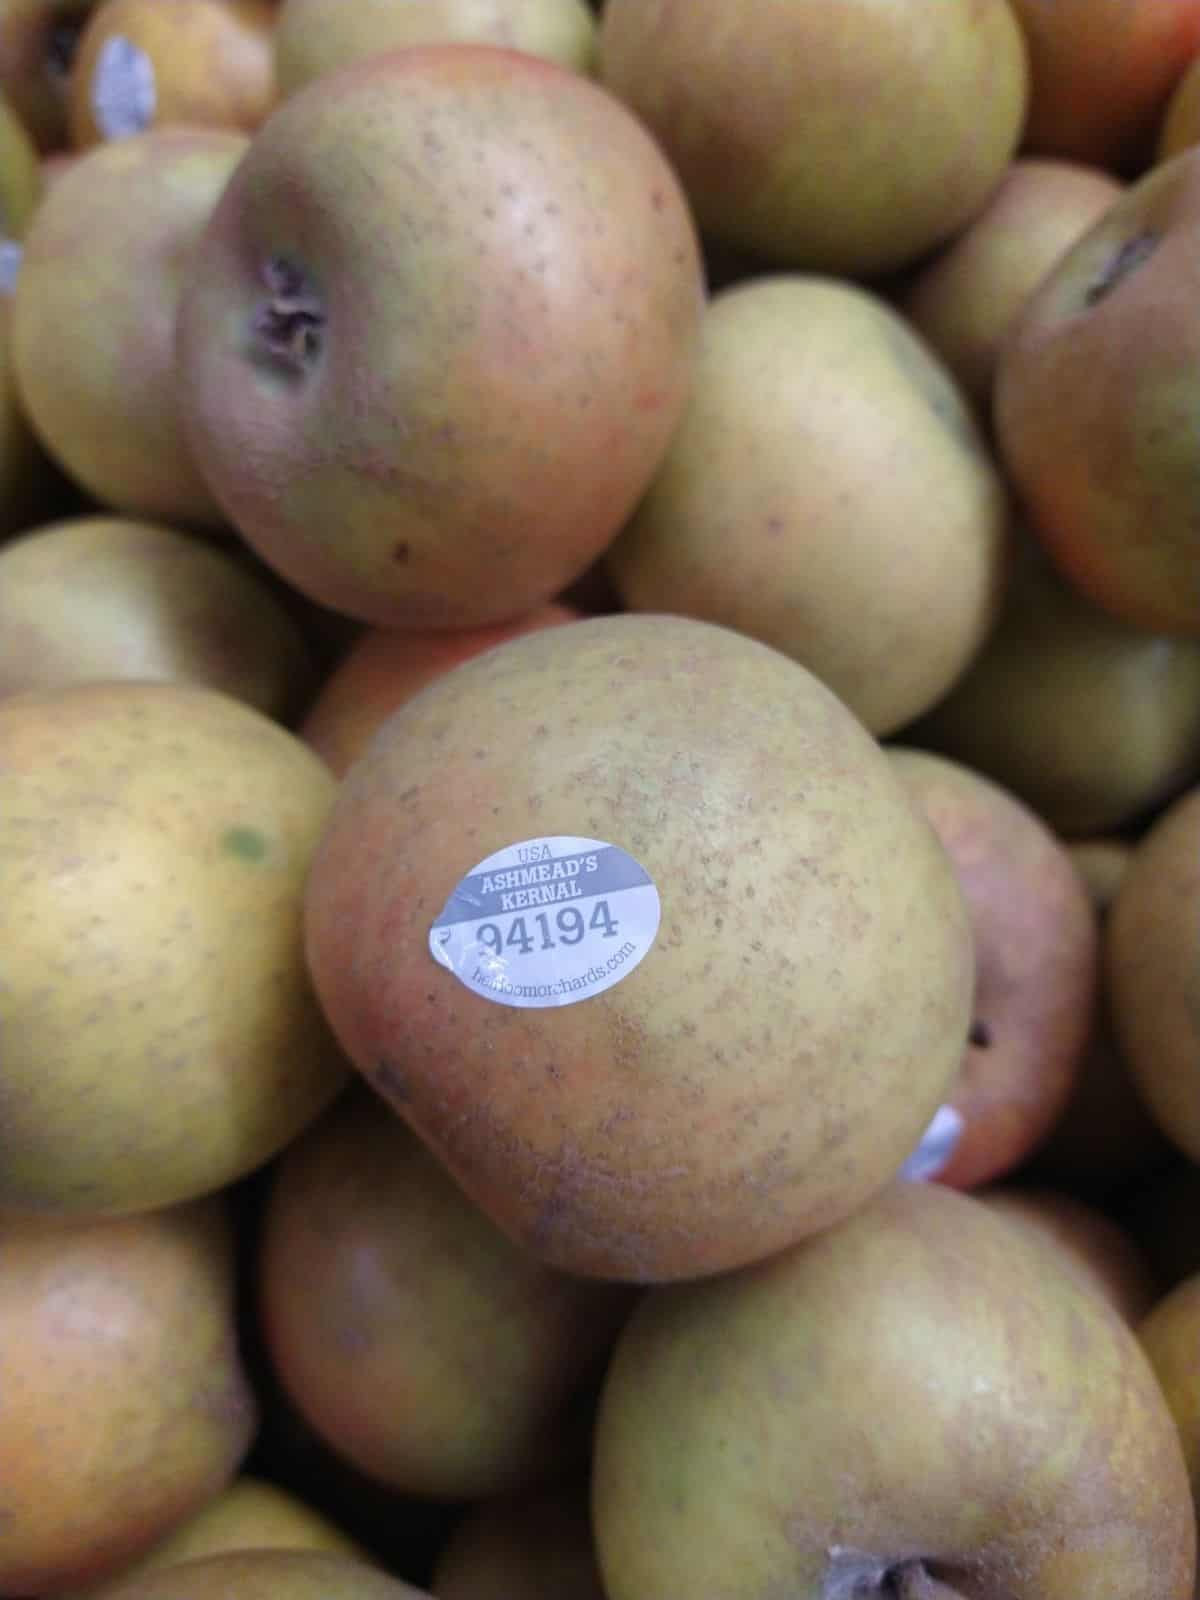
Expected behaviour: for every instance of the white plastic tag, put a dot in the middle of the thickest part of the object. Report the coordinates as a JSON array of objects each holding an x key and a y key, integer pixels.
[
  {"x": 124, "y": 94},
  {"x": 937, "y": 1145},
  {"x": 547, "y": 922}
]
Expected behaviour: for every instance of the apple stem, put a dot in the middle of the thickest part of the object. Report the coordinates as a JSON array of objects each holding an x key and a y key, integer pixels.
[
  {"x": 914, "y": 1581},
  {"x": 287, "y": 326}
]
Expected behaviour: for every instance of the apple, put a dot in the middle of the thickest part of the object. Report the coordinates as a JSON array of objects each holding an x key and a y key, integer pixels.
[
  {"x": 110, "y": 597},
  {"x": 37, "y": 42},
  {"x": 839, "y": 135},
  {"x": 751, "y": 978},
  {"x": 1093, "y": 1244},
  {"x": 313, "y": 37},
  {"x": 1036, "y": 953},
  {"x": 438, "y": 333},
  {"x": 384, "y": 667},
  {"x": 1180, "y": 125},
  {"x": 140, "y": 64},
  {"x": 125, "y": 1403},
  {"x": 466, "y": 1352},
  {"x": 1152, "y": 970},
  {"x": 821, "y": 436},
  {"x": 1101, "y": 72},
  {"x": 102, "y": 392},
  {"x": 966, "y": 298},
  {"x": 1170, "y": 1335},
  {"x": 1095, "y": 393},
  {"x": 535, "y": 1546},
  {"x": 919, "y": 1402},
  {"x": 1108, "y": 711}
]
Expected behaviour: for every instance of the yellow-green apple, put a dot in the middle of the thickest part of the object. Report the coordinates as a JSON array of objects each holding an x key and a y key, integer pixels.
[
  {"x": 465, "y": 1350},
  {"x": 142, "y": 64},
  {"x": 1090, "y": 720},
  {"x": 268, "y": 1575},
  {"x": 387, "y": 666},
  {"x": 636, "y": 925},
  {"x": 102, "y": 392},
  {"x": 822, "y": 436},
  {"x": 439, "y": 332},
  {"x": 1036, "y": 956},
  {"x": 161, "y": 1036},
  {"x": 1101, "y": 72},
  {"x": 837, "y": 135},
  {"x": 126, "y": 1406},
  {"x": 97, "y": 597},
  {"x": 920, "y": 1402},
  {"x": 251, "y": 1514},
  {"x": 1170, "y": 1335},
  {"x": 1094, "y": 398},
  {"x": 1152, "y": 970},
  {"x": 313, "y": 37},
  {"x": 966, "y": 298}
]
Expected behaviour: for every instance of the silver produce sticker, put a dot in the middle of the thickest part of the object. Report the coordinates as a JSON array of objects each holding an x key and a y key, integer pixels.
[
  {"x": 124, "y": 93},
  {"x": 547, "y": 922},
  {"x": 937, "y": 1144}
]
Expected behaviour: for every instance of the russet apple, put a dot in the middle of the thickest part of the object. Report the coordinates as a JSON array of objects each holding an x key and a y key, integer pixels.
[
  {"x": 919, "y": 1402},
  {"x": 837, "y": 135},
  {"x": 1095, "y": 395}
]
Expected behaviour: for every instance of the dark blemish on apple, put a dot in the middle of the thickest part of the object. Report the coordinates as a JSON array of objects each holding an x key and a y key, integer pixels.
[
  {"x": 1128, "y": 259},
  {"x": 247, "y": 844},
  {"x": 980, "y": 1035},
  {"x": 401, "y": 551},
  {"x": 288, "y": 327}
]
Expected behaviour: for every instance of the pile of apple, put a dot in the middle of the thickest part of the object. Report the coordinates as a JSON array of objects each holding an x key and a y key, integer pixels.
[{"x": 599, "y": 799}]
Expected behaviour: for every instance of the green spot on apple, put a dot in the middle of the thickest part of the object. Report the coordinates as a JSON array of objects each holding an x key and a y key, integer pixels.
[{"x": 247, "y": 844}]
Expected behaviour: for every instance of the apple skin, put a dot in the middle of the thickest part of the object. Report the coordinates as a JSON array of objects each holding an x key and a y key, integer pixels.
[
  {"x": 1036, "y": 951},
  {"x": 475, "y": 292},
  {"x": 126, "y": 1403},
  {"x": 102, "y": 392},
  {"x": 1152, "y": 970},
  {"x": 467, "y": 1353},
  {"x": 841, "y": 136},
  {"x": 1106, "y": 727},
  {"x": 1092, "y": 1243},
  {"x": 966, "y": 299},
  {"x": 522, "y": 1547},
  {"x": 313, "y": 37},
  {"x": 212, "y": 64},
  {"x": 1170, "y": 1335},
  {"x": 821, "y": 436},
  {"x": 1095, "y": 393},
  {"x": 384, "y": 667},
  {"x": 1101, "y": 72},
  {"x": 770, "y": 1062},
  {"x": 920, "y": 1394}
]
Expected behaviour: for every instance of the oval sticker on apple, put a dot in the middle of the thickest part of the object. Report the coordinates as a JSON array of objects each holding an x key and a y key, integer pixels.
[{"x": 547, "y": 922}]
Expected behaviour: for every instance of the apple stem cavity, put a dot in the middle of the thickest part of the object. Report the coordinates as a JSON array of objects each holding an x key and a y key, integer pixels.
[
  {"x": 287, "y": 327},
  {"x": 1127, "y": 259}
]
